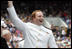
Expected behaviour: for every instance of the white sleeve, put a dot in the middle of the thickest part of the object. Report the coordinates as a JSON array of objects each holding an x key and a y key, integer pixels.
[
  {"x": 16, "y": 21},
  {"x": 52, "y": 43}
]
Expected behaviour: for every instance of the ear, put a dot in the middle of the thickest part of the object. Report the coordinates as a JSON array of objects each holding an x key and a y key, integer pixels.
[
  {"x": 33, "y": 18},
  {"x": 5, "y": 36}
]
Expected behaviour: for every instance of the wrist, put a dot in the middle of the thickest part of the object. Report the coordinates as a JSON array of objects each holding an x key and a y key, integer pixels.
[{"x": 10, "y": 4}]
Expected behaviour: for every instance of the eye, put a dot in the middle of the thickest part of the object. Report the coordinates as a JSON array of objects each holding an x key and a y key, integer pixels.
[{"x": 39, "y": 16}]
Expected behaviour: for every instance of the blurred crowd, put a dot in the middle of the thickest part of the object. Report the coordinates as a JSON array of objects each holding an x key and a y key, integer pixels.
[{"x": 63, "y": 38}]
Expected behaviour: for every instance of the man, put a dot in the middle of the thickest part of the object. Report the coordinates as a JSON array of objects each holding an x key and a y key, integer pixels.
[
  {"x": 3, "y": 40},
  {"x": 35, "y": 35},
  {"x": 6, "y": 35},
  {"x": 3, "y": 43}
]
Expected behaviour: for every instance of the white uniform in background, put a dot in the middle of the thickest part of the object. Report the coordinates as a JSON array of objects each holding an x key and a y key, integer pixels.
[
  {"x": 21, "y": 44},
  {"x": 34, "y": 36},
  {"x": 63, "y": 32},
  {"x": 3, "y": 24}
]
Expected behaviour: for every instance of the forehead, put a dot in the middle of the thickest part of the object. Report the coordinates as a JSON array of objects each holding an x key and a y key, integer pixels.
[{"x": 39, "y": 14}]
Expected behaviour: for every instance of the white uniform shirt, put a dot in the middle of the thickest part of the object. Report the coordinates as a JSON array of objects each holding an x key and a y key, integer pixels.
[{"x": 35, "y": 36}]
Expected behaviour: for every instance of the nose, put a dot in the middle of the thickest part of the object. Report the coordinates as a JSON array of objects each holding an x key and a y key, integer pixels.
[{"x": 42, "y": 17}]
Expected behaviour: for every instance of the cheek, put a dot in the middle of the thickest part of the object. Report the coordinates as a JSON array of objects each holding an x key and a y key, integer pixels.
[
  {"x": 42, "y": 18},
  {"x": 8, "y": 36},
  {"x": 36, "y": 19}
]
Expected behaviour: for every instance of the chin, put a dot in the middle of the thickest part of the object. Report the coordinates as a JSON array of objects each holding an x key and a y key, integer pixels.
[{"x": 41, "y": 23}]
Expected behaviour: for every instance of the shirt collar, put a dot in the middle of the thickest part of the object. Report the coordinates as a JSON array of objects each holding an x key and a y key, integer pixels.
[{"x": 34, "y": 25}]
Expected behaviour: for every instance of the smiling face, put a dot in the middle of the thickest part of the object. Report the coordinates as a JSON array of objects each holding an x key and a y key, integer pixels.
[{"x": 38, "y": 19}]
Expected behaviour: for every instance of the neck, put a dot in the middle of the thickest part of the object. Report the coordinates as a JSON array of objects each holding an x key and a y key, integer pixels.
[{"x": 37, "y": 24}]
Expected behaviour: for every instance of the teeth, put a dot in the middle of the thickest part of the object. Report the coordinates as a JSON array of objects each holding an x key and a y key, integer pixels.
[{"x": 40, "y": 21}]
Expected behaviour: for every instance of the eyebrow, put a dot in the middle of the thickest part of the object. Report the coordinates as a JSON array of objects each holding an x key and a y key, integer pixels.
[{"x": 41, "y": 15}]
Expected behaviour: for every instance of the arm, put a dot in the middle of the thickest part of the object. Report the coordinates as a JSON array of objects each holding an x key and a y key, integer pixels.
[
  {"x": 52, "y": 43},
  {"x": 14, "y": 18}
]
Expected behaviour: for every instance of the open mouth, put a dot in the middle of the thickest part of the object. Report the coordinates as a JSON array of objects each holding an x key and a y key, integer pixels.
[{"x": 40, "y": 20}]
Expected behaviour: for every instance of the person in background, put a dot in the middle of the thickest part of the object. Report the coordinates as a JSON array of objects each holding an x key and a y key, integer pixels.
[
  {"x": 63, "y": 32},
  {"x": 5, "y": 35}
]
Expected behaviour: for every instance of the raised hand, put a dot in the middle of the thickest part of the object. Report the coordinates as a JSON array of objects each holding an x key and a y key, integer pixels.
[{"x": 10, "y": 3}]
